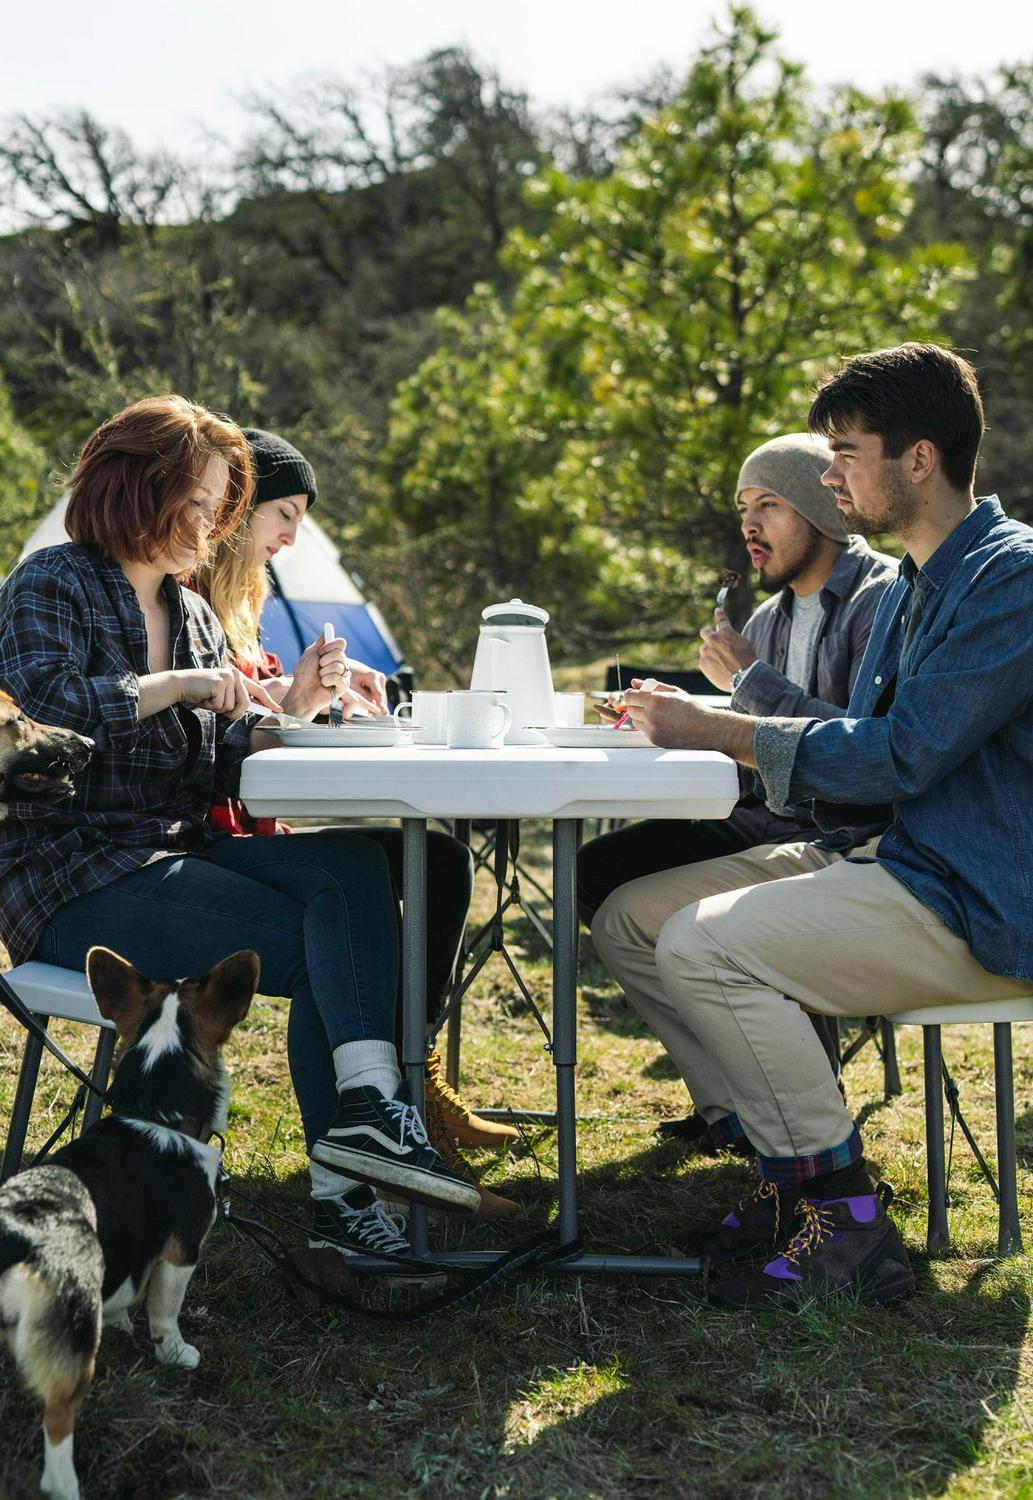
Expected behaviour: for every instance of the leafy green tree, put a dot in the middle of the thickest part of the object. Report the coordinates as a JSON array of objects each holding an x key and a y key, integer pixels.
[
  {"x": 23, "y": 492},
  {"x": 671, "y": 316},
  {"x": 976, "y": 184}
]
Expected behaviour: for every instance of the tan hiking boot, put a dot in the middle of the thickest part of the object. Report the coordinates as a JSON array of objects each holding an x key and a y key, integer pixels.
[
  {"x": 493, "y": 1205},
  {"x": 460, "y": 1121}
]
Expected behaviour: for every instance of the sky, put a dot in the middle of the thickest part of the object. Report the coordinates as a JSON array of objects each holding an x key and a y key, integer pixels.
[{"x": 172, "y": 73}]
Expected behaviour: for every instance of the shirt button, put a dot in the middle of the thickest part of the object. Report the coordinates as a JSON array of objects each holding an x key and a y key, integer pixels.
[
  {"x": 878, "y": 682},
  {"x": 903, "y": 619}
]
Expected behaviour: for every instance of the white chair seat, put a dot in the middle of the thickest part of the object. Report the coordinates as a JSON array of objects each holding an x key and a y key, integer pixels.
[
  {"x": 47, "y": 990},
  {"x": 986, "y": 1011}
]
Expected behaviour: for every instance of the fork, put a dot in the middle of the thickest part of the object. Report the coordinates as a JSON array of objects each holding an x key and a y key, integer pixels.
[
  {"x": 728, "y": 580},
  {"x": 335, "y": 714}
]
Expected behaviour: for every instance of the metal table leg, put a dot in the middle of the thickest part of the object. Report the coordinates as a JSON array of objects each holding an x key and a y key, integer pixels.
[
  {"x": 461, "y": 829},
  {"x": 566, "y": 833},
  {"x": 414, "y": 986},
  {"x": 565, "y": 836}
]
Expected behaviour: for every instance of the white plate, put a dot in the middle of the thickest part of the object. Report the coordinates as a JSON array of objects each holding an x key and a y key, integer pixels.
[
  {"x": 322, "y": 737},
  {"x": 596, "y": 737}
]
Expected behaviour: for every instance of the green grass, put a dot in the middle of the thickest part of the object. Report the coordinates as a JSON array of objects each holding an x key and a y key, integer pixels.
[{"x": 572, "y": 1389}]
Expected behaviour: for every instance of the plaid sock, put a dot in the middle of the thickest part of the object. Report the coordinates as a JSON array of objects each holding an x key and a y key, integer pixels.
[
  {"x": 802, "y": 1169},
  {"x": 726, "y": 1130}
]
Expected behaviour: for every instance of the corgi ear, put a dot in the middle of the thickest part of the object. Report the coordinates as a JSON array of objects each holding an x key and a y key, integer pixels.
[
  {"x": 119, "y": 990},
  {"x": 226, "y": 992}
]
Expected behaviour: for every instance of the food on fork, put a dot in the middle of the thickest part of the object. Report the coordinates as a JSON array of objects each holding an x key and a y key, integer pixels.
[{"x": 729, "y": 579}]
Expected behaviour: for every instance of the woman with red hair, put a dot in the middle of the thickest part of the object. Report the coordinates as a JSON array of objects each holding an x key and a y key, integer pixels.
[{"x": 98, "y": 636}]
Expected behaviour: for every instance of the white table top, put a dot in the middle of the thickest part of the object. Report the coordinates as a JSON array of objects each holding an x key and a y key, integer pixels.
[{"x": 428, "y": 781}]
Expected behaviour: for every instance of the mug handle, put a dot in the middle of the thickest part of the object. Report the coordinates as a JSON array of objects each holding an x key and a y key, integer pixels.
[
  {"x": 507, "y": 719},
  {"x": 398, "y": 712}
]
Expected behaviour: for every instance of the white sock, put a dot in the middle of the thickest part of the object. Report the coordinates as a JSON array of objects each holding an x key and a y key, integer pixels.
[
  {"x": 367, "y": 1065},
  {"x": 328, "y": 1184}
]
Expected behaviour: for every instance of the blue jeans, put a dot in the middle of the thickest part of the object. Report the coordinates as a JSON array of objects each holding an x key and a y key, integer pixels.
[{"x": 318, "y": 908}]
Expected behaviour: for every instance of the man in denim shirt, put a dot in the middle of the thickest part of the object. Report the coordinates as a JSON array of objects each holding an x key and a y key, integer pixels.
[{"x": 936, "y": 910}]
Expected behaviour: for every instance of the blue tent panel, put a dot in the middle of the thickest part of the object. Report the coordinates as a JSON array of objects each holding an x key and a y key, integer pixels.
[{"x": 288, "y": 626}]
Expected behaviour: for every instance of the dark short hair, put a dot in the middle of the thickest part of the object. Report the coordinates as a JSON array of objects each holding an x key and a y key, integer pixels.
[
  {"x": 904, "y": 394},
  {"x": 128, "y": 497}
]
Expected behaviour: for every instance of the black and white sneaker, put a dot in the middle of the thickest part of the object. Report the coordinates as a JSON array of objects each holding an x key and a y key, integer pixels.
[
  {"x": 357, "y": 1223},
  {"x": 382, "y": 1141}
]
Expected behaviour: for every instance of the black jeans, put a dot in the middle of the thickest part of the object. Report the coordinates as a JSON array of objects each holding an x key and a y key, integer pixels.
[{"x": 647, "y": 848}]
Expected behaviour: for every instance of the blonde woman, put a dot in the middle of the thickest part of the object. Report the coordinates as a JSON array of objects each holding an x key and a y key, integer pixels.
[{"x": 235, "y": 583}]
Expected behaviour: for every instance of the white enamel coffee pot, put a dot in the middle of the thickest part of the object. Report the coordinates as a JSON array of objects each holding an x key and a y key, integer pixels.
[{"x": 512, "y": 657}]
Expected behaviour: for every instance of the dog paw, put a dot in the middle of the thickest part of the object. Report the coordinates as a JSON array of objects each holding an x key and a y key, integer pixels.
[
  {"x": 59, "y": 1489},
  {"x": 170, "y": 1350},
  {"x": 119, "y": 1322}
]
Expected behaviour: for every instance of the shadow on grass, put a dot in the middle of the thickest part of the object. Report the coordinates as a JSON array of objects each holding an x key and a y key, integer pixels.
[{"x": 832, "y": 1399}]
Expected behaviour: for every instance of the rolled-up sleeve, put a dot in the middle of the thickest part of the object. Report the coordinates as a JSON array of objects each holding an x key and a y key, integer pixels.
[
  {"x": 764, "y": 691},
  {"x": 44, "y": 654},
  {"x": 775, "y": 746},
  {"x": 233, "y": 745}
]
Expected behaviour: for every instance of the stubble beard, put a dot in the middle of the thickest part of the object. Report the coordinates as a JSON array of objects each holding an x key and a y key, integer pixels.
[
  {"x": 794, "y": 566},
  {"x": 894, "y": 511}
]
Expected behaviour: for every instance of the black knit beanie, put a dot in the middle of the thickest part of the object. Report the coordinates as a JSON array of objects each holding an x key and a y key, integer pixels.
[{"x": 280, "y": 470}]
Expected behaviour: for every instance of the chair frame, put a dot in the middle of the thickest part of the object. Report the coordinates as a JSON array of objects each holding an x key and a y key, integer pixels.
[{"x": 42, "y": 990}]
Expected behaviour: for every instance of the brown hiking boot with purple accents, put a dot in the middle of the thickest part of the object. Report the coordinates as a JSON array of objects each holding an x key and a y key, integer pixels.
[
  {"x": 751, "y": 1230},
  {"x": 842, "y": 1245}
]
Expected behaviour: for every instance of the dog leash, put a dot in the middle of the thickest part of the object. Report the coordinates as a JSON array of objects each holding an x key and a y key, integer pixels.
[{"x": 529, "y": 1255}]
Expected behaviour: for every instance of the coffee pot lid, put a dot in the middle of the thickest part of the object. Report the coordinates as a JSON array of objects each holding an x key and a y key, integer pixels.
[{"x": 515, "y": 612}]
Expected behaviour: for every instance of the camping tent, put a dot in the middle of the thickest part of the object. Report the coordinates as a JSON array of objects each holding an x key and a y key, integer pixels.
[{"x": 309, "y": 587}]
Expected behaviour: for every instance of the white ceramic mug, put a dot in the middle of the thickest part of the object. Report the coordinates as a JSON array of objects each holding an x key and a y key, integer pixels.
[
  {"x": 427, "y": 713},
  {"x": 570, "y": 709},
  {"x": 476, "y": 720}
]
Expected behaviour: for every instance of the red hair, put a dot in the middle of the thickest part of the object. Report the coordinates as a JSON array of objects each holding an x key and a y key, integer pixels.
[{"x": 129, "y": 494}]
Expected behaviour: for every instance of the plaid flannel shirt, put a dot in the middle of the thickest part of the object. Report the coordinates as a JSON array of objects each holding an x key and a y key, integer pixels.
[{"x": 73, "y": 644}]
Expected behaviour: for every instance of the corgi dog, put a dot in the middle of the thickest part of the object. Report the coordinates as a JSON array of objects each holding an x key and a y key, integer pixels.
[{"x": 119, "y": 1215}]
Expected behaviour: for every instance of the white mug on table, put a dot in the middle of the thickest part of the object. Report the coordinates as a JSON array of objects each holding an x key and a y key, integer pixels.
[
  {"x": 570, "y": 709},
  {"x": 476, "y": 720},
  {"x": 426, "y": 713}
]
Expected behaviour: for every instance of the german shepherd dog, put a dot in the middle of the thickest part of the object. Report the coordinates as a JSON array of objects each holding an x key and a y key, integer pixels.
[
  {"x": 121, "y": 1213},
  {"x": 36, "y": 761}
]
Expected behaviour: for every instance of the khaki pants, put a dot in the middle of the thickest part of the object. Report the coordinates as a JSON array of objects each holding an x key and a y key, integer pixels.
[{"x": 723, "y": 958}]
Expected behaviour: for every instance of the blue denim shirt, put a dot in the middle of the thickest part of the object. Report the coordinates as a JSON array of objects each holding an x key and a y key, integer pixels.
[{"x": 954, "y": 753}]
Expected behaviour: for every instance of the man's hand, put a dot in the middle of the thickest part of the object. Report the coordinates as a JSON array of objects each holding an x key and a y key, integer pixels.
[
  {"x": 674, "y": 721},
  {"x": 724, "y": 652},
  {"x": 667, "y": 715}
]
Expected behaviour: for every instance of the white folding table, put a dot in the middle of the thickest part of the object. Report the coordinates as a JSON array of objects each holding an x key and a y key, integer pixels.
[{"x": 420, "y": 782}]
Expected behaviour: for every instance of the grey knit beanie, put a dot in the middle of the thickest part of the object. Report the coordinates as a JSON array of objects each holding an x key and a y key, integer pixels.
[
  {"x": 792, "y": 466},
  {"x": 280, "y": 470}
]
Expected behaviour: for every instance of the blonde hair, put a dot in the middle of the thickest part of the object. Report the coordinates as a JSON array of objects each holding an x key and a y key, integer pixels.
[{"x": 236, "y": 589}]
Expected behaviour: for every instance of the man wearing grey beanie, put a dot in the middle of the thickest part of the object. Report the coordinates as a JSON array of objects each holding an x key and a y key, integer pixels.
[{"x": 796, "y": 657}]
